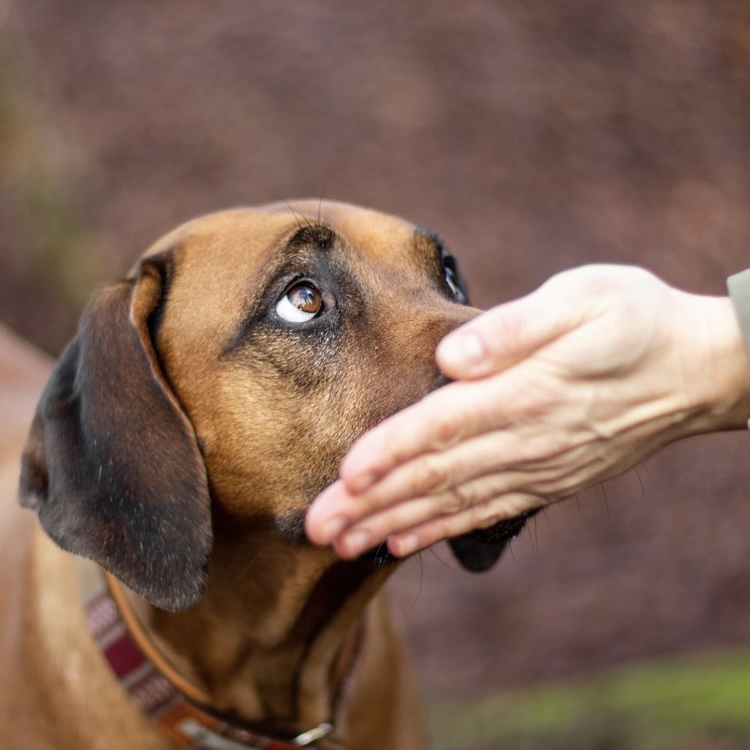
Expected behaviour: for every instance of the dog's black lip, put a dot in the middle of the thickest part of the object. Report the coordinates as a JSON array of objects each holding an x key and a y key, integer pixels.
[
  {"x": 502, "y": 531},
  {"x": 378, "y": 557}
]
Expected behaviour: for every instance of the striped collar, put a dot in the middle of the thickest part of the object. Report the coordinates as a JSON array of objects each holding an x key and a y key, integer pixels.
[{"x": 175, "y": 706}]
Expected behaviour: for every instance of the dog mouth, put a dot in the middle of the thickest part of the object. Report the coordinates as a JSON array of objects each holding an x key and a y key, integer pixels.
[
  {"x": 292, "y": 528},
  {"x": 477, "y": 550},
  {"x": 503, "y": 531},
  {"x": 378, "y": 557},
  {"x": 495, "y": 537}
]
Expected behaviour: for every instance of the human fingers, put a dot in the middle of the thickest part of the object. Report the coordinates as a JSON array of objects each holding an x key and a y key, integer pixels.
[
  {"x": 495, "y": 340},
  {"x": 517, "y": 459},
  {"x": 433, "y": 530},
  {"x": 426, "y": 484},
  {"x": 377, "y": 527},
  {"x": 441, "y": 420},
  {"x": 508, "y": 333},
  {"x": 418, "y": 523},
  {"x": 536, "y": 452},
  {"x": 329, "y": 514},
  {"x": 540, "y": 471}
]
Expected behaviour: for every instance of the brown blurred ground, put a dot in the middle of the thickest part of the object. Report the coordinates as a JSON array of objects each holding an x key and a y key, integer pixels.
[{"x": 532, "y": 135}]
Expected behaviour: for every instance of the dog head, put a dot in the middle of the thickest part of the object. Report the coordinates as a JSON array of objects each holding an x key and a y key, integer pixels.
[{"x": 227, "y": 376}]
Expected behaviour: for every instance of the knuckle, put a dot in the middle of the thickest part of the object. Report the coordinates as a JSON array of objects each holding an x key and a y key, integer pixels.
[
  {"x": 440, "y": 528},
  {"x": 446, "y": 431},
  {"x": 434, "y": 475},
  {"x": 503, "y": 508},
  {"x": 487, "y": 516},
  {"x": 458, "y": 499}
]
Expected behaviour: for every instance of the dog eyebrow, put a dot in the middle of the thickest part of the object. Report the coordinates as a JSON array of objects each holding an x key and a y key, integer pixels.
[
  {"x": 309, "y": 237},
  {"x": 321, "y": 236}
]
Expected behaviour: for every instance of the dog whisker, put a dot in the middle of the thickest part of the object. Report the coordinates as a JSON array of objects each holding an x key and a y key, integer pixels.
[
  {"x": 320, "y": 201},
  {"x": 298, "y": 217},
  {"x": 640, "y": 480}
]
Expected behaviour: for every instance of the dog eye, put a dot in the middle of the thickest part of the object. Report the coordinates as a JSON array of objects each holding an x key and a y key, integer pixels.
[
  {"x": 300, "y": 304},
  {"x": 451, "y": 280}
]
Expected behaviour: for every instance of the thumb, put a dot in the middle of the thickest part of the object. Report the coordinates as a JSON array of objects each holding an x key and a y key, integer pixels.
[{"x": 506, "y": 334}]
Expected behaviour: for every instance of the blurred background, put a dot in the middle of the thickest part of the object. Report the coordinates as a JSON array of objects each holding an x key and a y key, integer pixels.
[{"x": 533, "y": 136}]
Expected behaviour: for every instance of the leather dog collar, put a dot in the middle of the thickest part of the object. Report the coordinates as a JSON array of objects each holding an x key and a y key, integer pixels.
[{"x": 177, "y": 708}]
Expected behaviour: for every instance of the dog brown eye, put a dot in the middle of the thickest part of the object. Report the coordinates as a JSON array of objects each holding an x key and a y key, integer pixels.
[
  {"x": 301, "y": 303},
  {"x": 305, "y": 298}
]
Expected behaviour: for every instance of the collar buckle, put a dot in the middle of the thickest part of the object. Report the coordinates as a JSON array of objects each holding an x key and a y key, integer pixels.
[
  {"x": 313, "y": 735},
  {"x": 205, "y": 739}
]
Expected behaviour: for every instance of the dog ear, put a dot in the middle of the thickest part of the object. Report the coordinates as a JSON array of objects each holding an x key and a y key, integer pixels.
[
  {"x": 479, "y": 550},
  {"x": 112, "y": 464}
]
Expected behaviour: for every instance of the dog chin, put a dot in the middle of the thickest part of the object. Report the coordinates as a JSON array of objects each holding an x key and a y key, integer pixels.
[{"x": 291, "y": 528}]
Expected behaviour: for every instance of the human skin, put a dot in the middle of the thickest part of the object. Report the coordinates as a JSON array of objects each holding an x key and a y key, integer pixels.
[{"x": 596, "y": 370}]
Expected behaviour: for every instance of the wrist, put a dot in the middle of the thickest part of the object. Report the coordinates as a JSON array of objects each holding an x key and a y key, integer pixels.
[{"x": 724, "y": 377}]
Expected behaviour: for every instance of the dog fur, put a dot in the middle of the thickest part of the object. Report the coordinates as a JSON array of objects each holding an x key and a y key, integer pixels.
[{"x": 178, "y": 443}]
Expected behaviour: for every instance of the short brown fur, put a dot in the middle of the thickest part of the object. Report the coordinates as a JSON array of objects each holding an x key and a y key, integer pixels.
[{"x": 185, "y": 392}]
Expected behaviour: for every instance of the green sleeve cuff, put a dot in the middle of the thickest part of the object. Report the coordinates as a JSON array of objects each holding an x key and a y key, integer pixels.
[{"x": 739, "y": 292}]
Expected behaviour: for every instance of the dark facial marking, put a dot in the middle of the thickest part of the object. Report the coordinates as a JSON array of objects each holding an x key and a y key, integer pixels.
[
  {"x": 318, "y": 236},
  {"x": 295, "y": 260}
]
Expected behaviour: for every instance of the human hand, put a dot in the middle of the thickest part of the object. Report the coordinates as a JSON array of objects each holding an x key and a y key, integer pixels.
[{"x": 555, "y": 392}]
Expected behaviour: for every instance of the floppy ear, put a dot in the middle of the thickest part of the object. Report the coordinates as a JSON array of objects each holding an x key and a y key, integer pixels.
[
  {"x": 112, "y": 464},
  {"x": 479, "y": 550}
]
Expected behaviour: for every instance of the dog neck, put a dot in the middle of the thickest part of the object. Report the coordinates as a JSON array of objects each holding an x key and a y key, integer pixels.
[{"x": 271, "y": 645}]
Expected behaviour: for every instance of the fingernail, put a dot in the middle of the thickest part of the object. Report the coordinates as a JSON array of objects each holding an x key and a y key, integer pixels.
[
  {"x": 403, "y": 545},
  {"x": 463, "y": 350},
  {"x": 358, "y": 541}
]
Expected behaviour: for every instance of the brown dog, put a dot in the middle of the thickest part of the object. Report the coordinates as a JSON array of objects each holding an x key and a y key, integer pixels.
[{"x": 204, "y": 402}]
